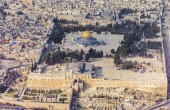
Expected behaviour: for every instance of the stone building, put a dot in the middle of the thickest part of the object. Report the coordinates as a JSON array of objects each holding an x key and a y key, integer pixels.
[{"x": 67, "y": 75}]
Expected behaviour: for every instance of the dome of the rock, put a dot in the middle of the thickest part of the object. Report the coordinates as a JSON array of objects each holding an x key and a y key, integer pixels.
[{"x": 86, "y": 34}]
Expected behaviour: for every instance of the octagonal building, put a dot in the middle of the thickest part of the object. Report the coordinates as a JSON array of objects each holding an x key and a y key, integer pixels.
[{"x": 87, "y": 39}]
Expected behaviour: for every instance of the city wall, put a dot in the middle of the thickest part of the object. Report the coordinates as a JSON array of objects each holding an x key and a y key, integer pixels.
[
  {"x": 147, "y": 86},
  {"x": 157, "y": 87}
]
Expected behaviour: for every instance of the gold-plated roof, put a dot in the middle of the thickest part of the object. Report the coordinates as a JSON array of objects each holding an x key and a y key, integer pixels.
[{"x": 87, "y": 34}]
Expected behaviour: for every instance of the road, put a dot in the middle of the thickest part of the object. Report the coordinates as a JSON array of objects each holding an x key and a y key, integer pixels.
[
  {"x": 157, "y": 107},
  {"x": 48, "y": 48}
]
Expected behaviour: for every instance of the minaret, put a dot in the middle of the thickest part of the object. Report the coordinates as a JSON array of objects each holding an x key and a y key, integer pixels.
[
  {"x": 39, "y": 69},
  {"x": 139, "y": 20}
]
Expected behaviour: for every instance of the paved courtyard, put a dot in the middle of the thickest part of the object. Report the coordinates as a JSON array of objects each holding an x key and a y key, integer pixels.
[{"x": 112, "y": 41}]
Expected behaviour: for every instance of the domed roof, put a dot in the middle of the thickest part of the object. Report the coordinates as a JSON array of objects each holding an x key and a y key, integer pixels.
[
  {"x": 77, "y": 69},
  {"x": 87, "y": 34}
]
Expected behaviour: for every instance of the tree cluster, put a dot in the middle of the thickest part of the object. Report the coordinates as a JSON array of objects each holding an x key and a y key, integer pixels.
[
  {"x": 154, "y": 45},
  {"x": 126, "y": 11},
  {"x": 130, "y": 65},
  {"x": 137, "y": 32},
  {"x": 57, "y": 33},
  {"x": 58, "y": 56},
  {"x": 145, "y": 16},
  {"x": 112, "y": 51},
  {"x": 151, "y": 30},
  {"x": 50, "y": 59},
  {"x": 93, "y": 53},
  {"x": 116, "y": 28},
  {"x": 64, "y": 21},
  {"x": 117, "y": 60}
]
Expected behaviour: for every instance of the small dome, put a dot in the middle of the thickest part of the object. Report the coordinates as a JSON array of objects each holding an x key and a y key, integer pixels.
[
  {"x": 87, "y": 34},
  {"x": 77, "y": 69}
]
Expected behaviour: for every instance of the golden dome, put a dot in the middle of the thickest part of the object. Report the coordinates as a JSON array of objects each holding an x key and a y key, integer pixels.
[{"x": 87, "y": 34}]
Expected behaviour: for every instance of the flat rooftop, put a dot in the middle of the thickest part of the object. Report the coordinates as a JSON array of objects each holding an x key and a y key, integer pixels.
[
  {"x": 81, "y": 67},
  {"x": 109, "y": 71},
  {"x": 5, "y": 64}
]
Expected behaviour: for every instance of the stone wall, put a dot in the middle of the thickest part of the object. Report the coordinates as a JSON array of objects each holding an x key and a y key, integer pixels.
[
  {"x": 147, "y": 86},
  {"x": 54, "y": 81},
  {"x": 43, "y": 82},
  {"x": 157, "y": 87}
]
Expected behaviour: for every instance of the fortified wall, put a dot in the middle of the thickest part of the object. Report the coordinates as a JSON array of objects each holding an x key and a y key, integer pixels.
[
  {"x": 48, "y": 81},
  {"x": 147, "y": 86}
]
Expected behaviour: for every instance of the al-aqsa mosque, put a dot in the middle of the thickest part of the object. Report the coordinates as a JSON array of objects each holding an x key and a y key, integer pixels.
[{"x": 87, "y": 39}]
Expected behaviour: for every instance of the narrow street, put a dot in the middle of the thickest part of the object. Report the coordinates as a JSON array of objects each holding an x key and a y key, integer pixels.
[{"x": 48, "y": 48}]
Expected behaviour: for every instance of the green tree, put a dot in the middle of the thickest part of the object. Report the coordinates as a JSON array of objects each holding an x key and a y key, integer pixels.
[
  {"x": 35, "y": 65},
  {"x": 97, "y": 23},
  {"x": 117, "y": 60},
  {"x": 101, "y": 54},
  {"x": 81, "y": 52},
  {"x": 87, "y": 57},
  {"x": 112, "y": 51},
  {"x": 32, "y": 67}
]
